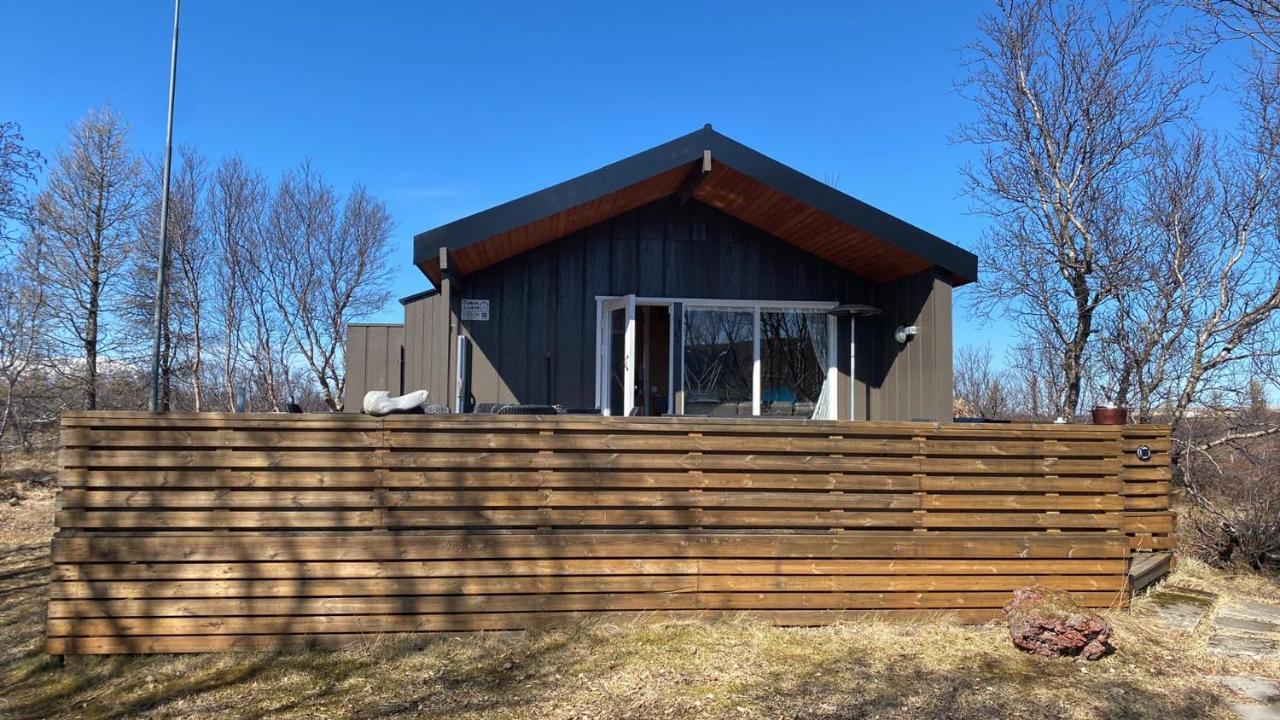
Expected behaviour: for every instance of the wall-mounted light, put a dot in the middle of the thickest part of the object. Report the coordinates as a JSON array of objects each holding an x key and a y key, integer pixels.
[{"x": 905, "y": 333}]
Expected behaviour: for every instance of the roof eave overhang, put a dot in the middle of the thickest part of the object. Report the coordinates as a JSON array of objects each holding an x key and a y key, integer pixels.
[{"x": 954, "y": 262}]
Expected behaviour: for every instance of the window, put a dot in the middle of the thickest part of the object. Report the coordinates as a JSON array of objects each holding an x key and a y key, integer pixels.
[
  {"x": 726, "y": 357},
  {"x": 719, "y": 352},
  {"x": 793, "y": 357}
]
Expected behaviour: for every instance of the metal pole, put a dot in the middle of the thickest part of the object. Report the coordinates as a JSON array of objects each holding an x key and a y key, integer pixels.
[{"x": 162, "y": 271}]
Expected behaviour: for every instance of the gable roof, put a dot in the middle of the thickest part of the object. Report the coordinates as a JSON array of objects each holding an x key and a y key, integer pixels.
[{"x": 740, "y": 182}]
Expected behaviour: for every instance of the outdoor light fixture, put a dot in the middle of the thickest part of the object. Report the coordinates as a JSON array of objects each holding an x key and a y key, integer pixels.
[{"x": 905, "y": 333}]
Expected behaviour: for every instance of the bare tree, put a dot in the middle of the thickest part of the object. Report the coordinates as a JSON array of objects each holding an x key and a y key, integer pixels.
[
  {"x": 22, "y": 300},
  {"x": 981, "y": 389},
  {"x": 1230, "y": 20},
  {"x": 193, "y": 259},
  {"x": 325, "y": 262},
  {"x": 234, "y": 206},
  {"x": 85, "y": 219},
  {"x": 18, "y": 167},
  {"x": 1202, "y": 319},
  {"x": 22, "y": 343},
  {"x": 271, "y": 376},
  {"x": 1196, "y": 326},
  {"x": 184, "y": 325},
  {"x": 1069, "y": 100}
]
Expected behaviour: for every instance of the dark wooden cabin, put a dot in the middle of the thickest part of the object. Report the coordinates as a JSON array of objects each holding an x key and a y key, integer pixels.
[{"x": 704, "y": 276}]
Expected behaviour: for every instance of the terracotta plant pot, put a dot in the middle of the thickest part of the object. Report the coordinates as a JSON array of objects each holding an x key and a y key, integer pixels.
[{"x": 1110, "y": 416}]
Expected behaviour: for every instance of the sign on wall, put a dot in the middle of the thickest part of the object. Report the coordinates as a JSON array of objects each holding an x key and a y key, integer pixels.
[{"x": 475, "y": 309}]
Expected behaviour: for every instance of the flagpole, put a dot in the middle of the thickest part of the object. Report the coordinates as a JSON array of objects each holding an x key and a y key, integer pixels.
[{"x": 162, "y": 270}]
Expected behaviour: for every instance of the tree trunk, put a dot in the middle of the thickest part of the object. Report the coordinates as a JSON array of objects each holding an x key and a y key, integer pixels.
[{"x": 91, "y": 351}]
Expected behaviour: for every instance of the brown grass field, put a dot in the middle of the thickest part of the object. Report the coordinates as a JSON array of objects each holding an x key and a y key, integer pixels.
[{"x": 725, "y": 669}]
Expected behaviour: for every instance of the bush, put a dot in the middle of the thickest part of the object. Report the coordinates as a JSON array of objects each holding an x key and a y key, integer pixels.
[{"x": 1235, "y": 516}]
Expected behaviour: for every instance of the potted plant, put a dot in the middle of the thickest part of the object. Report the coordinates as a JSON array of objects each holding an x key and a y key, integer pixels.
[{"x": 1110, "y": 414}]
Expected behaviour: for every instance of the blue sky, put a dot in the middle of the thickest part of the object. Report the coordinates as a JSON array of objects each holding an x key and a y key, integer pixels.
[{"x": 444, "y": 109}]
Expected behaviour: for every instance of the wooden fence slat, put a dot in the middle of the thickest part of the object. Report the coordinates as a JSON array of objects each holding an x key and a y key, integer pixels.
[
  {"x": 287, "y": 569},
  {"x": 608, "y": 460},
  {"x": 653, "y": 595},
  {"x": 358, "y": 546},
  {"x": 414, "y": 622},
  {"x": 361, "y": 439},
  {"x": 247, "y": 499},
  {"x": 59, "y": 645},
  {"x": 301, "y": 478},
  {"x": 339, "y": 518}
]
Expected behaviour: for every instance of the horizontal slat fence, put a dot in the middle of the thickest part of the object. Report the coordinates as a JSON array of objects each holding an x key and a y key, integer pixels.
[
  {"x": 183, "y": 533},
  {"x": 1148, "y": 520}
]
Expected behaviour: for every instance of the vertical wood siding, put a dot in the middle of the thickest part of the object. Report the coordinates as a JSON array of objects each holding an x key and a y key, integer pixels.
[
  {"x": 538, "y": 345},
  {"x": 372, "y": 362},
  {"x": 913, "y": 381},
  {"x": 422, "y": 358},
  {"x": 542, "y": 303}
]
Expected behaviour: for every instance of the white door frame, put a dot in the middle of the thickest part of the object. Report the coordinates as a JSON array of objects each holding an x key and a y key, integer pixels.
[
  {"x": 604, "y": 350},
  {"x": 606, "y": 302}
]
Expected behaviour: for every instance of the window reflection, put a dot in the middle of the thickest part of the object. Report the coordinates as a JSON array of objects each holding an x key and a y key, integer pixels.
[
  {"x": 793, "y": 356},
  {"x": 718, "y": 353}
]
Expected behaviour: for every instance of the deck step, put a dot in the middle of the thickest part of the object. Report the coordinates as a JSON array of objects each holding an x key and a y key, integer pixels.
[{"x": 1148, "y": 567}]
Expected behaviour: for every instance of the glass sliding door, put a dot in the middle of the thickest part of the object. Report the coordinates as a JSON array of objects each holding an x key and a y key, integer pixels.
[
  {"x": 719, "y": 350},
  {"x": 722, "y": 357},
  {"x": 794, "y": 363}
]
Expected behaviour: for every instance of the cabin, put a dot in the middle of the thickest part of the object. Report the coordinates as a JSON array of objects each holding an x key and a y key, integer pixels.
[{"x": 699, "y": 277}]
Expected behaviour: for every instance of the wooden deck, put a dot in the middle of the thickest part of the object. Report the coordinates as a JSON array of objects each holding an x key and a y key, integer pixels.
[{"x": 184, "y": 533}]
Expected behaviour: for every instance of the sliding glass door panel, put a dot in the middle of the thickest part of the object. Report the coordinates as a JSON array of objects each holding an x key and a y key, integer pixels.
[
  {"x": 794, "y": 363},
  {"x": 719, "y": 348}
]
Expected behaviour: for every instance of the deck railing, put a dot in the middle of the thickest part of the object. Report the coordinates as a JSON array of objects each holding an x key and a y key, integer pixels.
[{"x": 209, "y": 532}]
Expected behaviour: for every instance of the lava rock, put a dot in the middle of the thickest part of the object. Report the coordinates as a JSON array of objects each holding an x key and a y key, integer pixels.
[{"x": 1049, "y": 623}]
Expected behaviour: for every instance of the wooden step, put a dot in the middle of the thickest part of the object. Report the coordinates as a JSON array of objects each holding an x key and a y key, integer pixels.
[{"x": 1148, "y": 567}]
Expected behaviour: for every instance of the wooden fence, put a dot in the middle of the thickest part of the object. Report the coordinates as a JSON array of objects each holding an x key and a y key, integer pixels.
[
  {"x": 1147, "y": 484},
  {"x": 207, "y": 532}
]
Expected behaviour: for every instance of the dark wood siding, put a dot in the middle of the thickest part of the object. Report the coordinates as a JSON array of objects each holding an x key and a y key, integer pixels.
[
  {"x": 372, "y": 361},
  {"x": 912, "y": 381},
  {"x": 542, "y": 303},
  {"x": 539, "y": 341}
]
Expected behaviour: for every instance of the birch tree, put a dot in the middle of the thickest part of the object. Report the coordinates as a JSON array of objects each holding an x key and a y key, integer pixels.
[
  {"x": 22, "y": 345},
  {"x": 325, "y": 263},
  {"x": 184, "y": 323},
  {"x": 193, "y": 260},
  {"x": 234, "y": 206},
  {"x": 981, "y": 389},
  {"x": 85, "y": 219},
  {"x": 1069, "y": 99}
]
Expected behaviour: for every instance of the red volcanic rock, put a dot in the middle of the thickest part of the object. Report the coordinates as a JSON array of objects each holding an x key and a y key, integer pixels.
[{"x": 1048, "y": 623}]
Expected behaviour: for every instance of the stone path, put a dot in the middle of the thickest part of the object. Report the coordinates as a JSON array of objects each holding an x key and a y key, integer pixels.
[
  {"x": 1265, "y": 695},
  {"x": 1179, "y": 608},
  {"x": 1238, "y": 629},
  {"x": 1246, "y": 629}
]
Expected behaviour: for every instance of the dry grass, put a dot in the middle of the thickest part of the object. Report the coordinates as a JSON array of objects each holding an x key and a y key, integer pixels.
[{"x": 681, "y": 670}]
